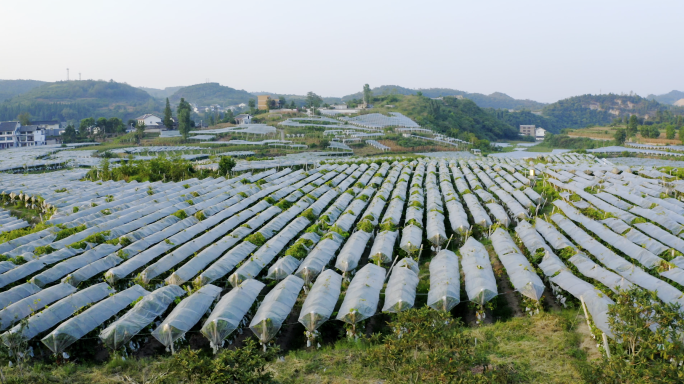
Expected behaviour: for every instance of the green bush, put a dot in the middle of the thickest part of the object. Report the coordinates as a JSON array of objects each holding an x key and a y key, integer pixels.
[
  {"x": 64, "y": 233},
  {"x": 257, "y": 239},
  {"x": 181, "y": 214},
  {"x": 243, "y": 365}
]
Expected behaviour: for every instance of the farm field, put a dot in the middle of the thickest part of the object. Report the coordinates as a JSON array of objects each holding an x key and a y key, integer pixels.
[{"x": 319, "y": 271}]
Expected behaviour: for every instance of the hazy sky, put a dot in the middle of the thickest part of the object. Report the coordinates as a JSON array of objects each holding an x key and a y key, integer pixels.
[{"x": 541, "y": 50}]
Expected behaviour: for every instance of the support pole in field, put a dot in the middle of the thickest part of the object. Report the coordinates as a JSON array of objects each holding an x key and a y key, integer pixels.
[
  {"x": 586, "y": 314},
  {"x": 605, "y": 344}
]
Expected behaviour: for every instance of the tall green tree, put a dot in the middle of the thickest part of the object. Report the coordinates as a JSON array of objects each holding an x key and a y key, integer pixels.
[
  {"x": 184, "y": 123},
  {"x": 313, "y": 100},
  {"x": 139, "y": 131},
  {"x": 226, "y": 164},
  {"x": 620, "y": 136},
  {"x": 680, "y": 121},
  {"x": 69, "y": 133},
  {"x": 367, "y": 94},
  {"x": 115, "y": 125},
  {"x": 251, "y": 104},
  {"x": 168, "y": 121},
  {"x": 24, "y": 118},
  {"x": 670, "y": 132},
  {"x": 681, "y": 134},
  {"x": 632, "y": 125}
]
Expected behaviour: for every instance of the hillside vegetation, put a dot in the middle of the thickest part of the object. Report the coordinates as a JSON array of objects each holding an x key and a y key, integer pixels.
[
  {"x": 211, "y": 93},
  {"x": 11, "y": 88},
  {"x": 460, "y": 118},
  {"x": 495, "y": 100},
  {"x": 75, "y": 100},
  {"x": 581, "y": 111}
]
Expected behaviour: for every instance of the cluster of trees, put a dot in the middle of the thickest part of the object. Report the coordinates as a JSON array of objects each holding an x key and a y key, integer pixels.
[
  {"x": 649, "y": 129},
  {"x": 158, "y": 169},
  {"x": 567, "y": 142},
  {"x": 89, "y": 127}
]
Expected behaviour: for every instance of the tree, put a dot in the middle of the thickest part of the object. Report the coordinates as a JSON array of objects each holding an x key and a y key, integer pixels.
[
  {"x": 184, "y": 122},
  {"x": 226, "y": 164},
  {"x": 271, "y": 104},
  {"x": 419, "y": 93},
  {"x": 649, "y": 131},
  {"x": 228, "y": 117},
  {"x": 102, "y": 125},
  {"x": 680, "y": 121},
  {"x": 116, "y": 125},
  {"x": 650, "y": 347},
  {"x": 670, "y": 132},
  {"x": 313, "y": 100},
  {"x": 251, "y": 104},
  {"x": 293, "y": 105},
  {"x": 84, "y": 126},
  {"x": 632, "y": 126},
  {"x": 168, "y": 122},
  {"x": 139, "y": 131},
  {"x": 69, "y": 133},
  {"x": 620, "y": 136},
  {"x": 282, "y": 101},
  {"x": 367, "y": 94},
  {"x": 681, "y": 134},
  {"x": 24, "y": 118}
]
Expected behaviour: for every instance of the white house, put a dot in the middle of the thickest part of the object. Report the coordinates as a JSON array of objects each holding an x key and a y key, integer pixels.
[
  {"x": 7, "y": 130},
  {"x": 13, "y": 134},
  {"x": 149, "y": 120},
  {"x": 243, "y": 118},
  {"x": 540, "y": 133}
]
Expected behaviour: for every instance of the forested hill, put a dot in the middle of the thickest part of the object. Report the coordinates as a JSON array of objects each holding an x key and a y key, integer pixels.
[
  {"x": 581, "y": 111},
  {"x": 161, "y": 93},
  {"x": 11, "y": 88},
  {"x": 211, "y": 93},
  {"x": 458, "y": 118},
  {"x": 668, "y": 98},
  {"x": 75, "y": 100},
  {"x": 495, "y": 100}
]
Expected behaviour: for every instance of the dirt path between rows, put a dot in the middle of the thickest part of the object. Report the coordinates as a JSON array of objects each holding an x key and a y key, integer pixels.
[{"x": 504, "y": 285}]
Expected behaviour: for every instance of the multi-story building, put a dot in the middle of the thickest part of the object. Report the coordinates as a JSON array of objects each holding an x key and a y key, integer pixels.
[
  {"x": 527, "y": 130},
  {"x": 7, "y": 129},
  {"x": 13, "y": 134}
]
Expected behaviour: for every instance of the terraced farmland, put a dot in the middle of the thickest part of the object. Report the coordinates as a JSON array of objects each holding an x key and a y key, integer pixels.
[{"x": 120, "y": 266}]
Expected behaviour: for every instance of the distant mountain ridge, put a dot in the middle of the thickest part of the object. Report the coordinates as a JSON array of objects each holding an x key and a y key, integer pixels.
[
  {"x": 495, "y": 100},
  {"x": 671, "y": 97},
  {"x": 161, "y": 93},
  {"x": 211, "y": 93},
  {"x": 75, "y": 100},
  {"x": 11, "y": 88}
]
